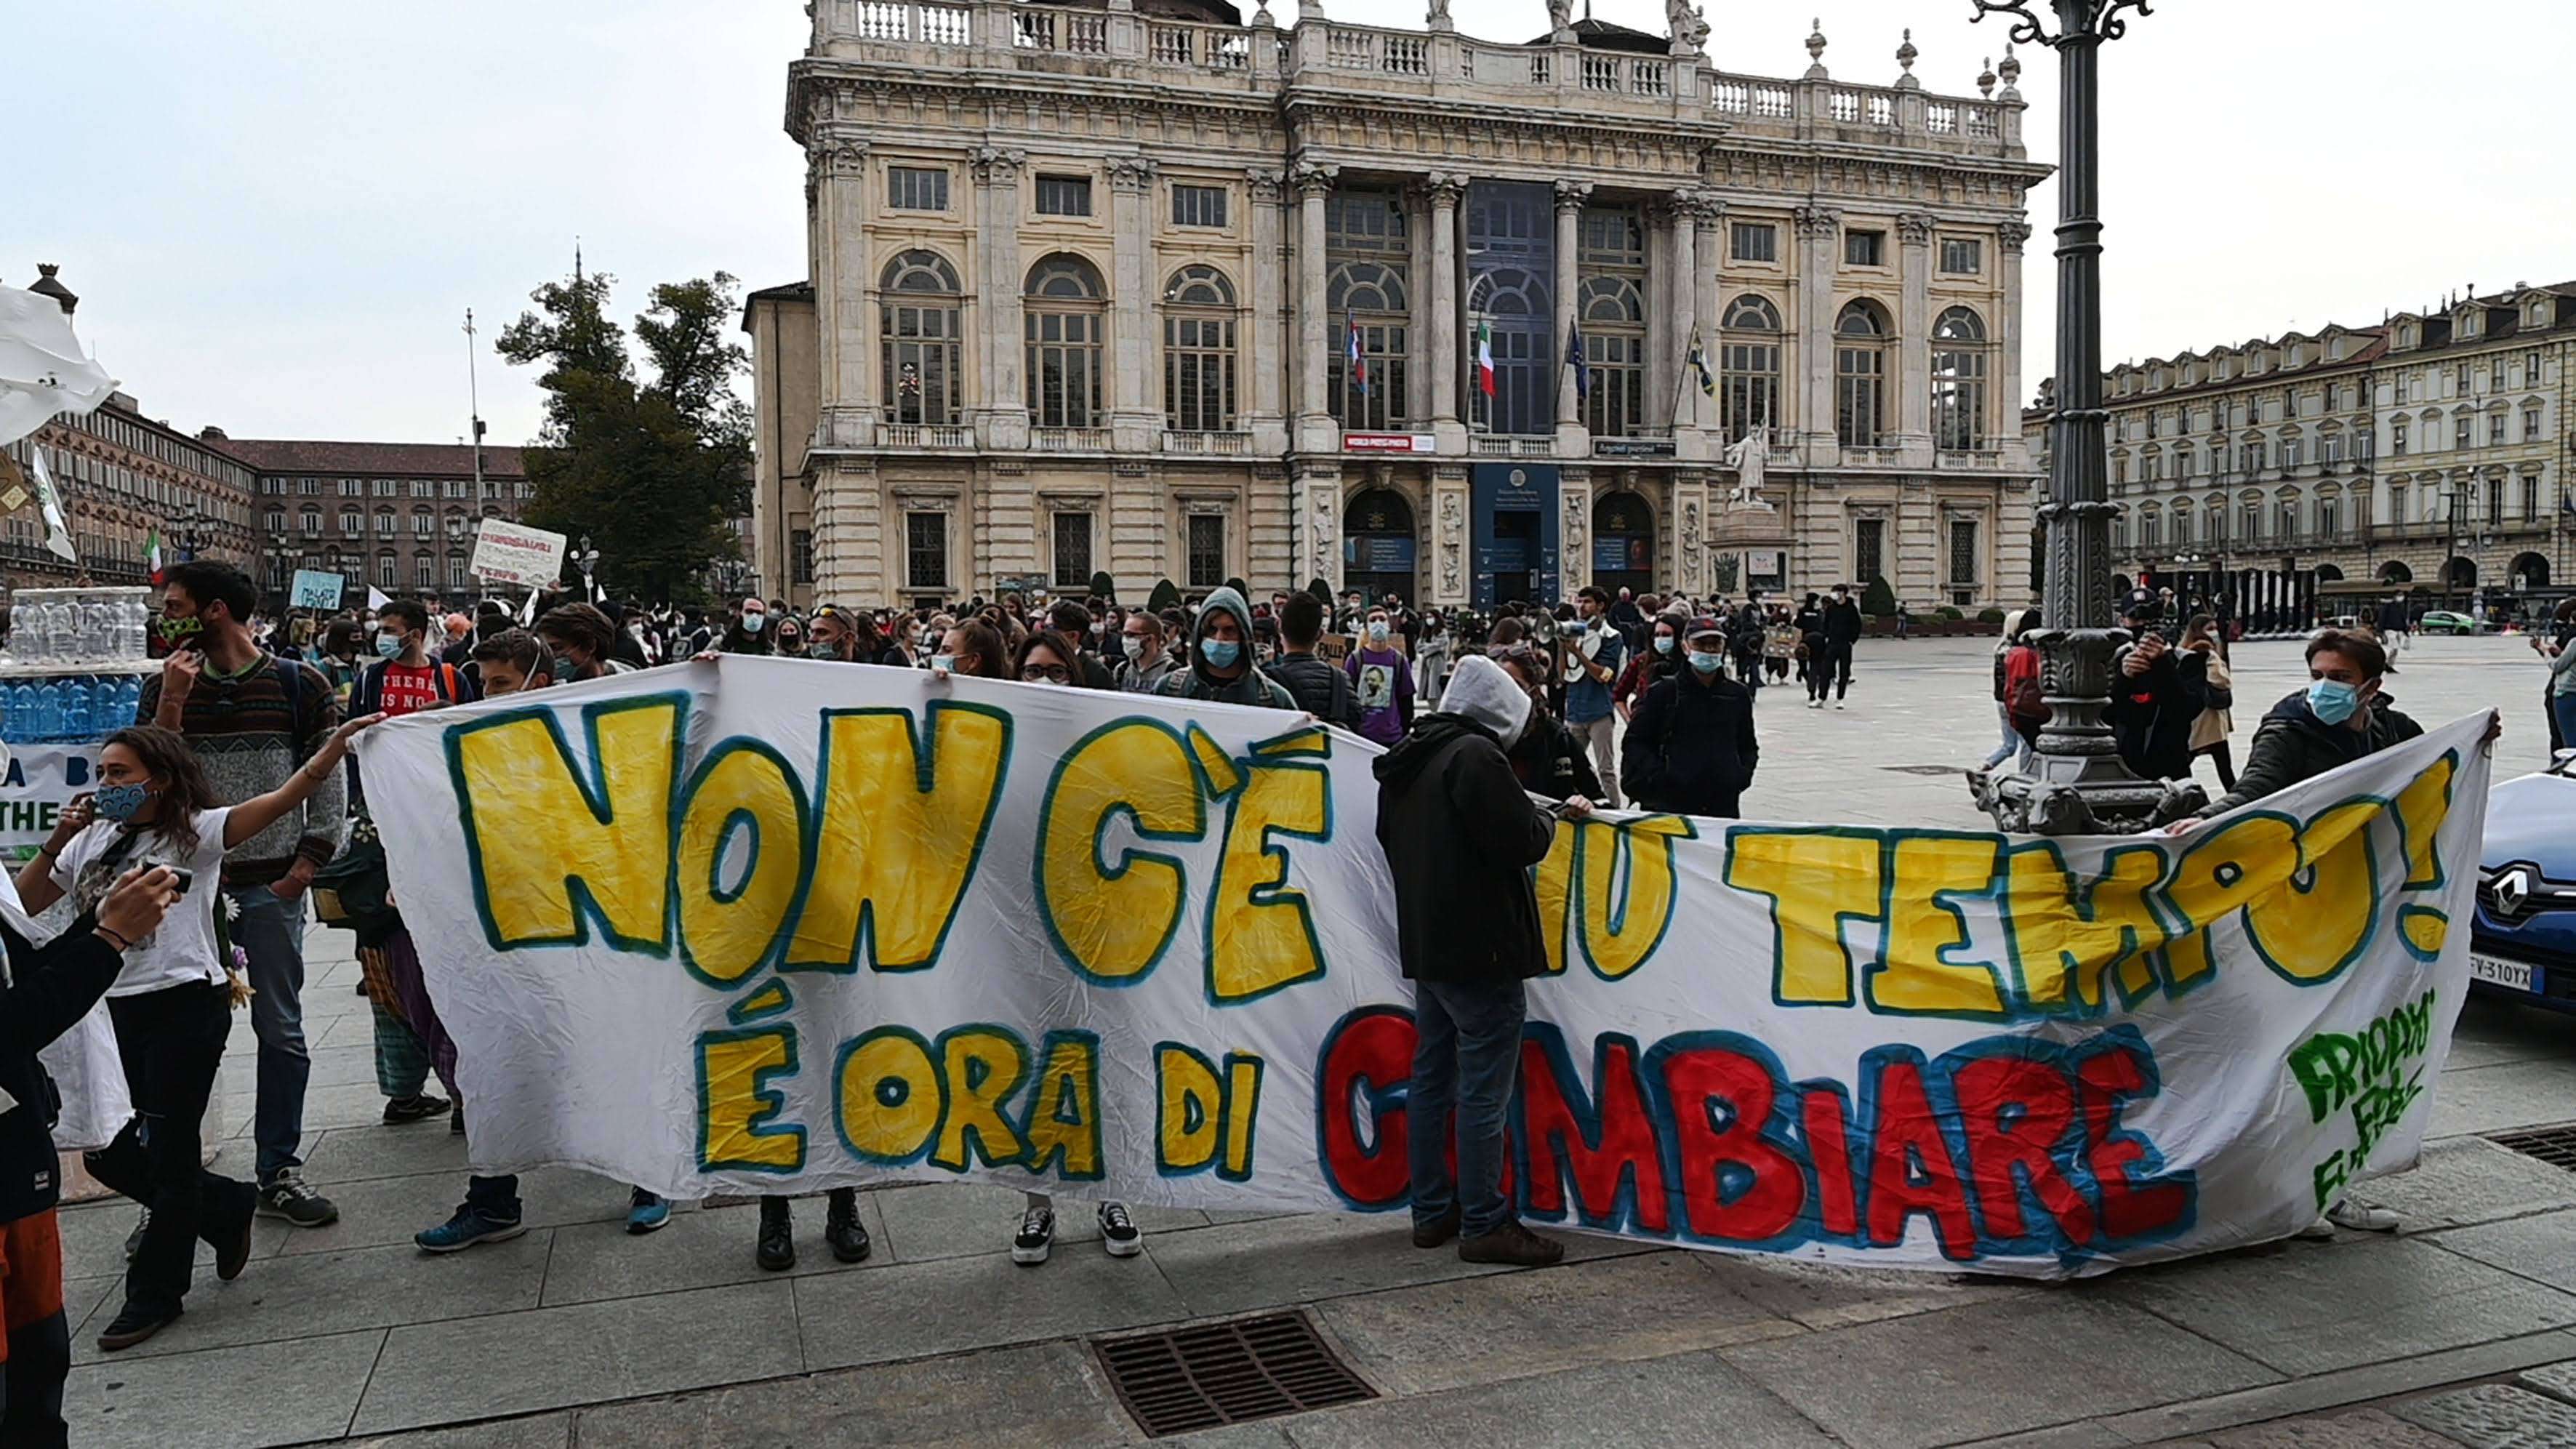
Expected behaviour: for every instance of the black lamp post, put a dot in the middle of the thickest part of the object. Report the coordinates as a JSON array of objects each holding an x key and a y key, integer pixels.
[
  {"x": 2077, "y": 784},
  {"x": 588, "y": 559}
]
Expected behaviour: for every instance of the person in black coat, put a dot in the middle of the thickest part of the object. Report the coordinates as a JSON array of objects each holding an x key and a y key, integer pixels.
[
  {"x": 45, "y": 991},
  {"x": 1691, "y": 745},
  {"x": 2157, "y": 692},
  {"x": 1460, "y": 838},
  {"x": 1841, "y": 624},
  {"x": 1549, "y": 759}
]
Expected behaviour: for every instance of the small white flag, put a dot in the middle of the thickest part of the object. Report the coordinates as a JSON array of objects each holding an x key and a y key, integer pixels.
[
  {"x": 377, "y": 598},
  {"x": 42, "y": 368},
  {"x": 58, "y": 537},
  {"x": 528, "y": 610}
]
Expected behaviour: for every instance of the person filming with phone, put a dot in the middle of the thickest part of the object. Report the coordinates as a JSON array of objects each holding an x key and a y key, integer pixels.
[
  {"x": 2157, "y": 693},
  {"x": 171, "y": 1005}
]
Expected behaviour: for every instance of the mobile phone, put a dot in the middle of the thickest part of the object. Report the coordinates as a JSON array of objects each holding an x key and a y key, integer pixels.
[{"x": 186, "y": 877}]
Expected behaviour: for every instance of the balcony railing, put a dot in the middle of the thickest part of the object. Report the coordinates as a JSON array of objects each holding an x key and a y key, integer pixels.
[
  {"x": 1070, "y": 440},
  {"x": 936, "y": 436},
  {"x": 1225, "y": 445},
  {"x": 1872, "y": 457},
  {"x": 1509, "y": 445},
  {"x": 1972, "y": 458}
]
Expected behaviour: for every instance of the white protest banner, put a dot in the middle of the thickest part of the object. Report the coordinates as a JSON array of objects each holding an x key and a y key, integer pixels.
[
  {"x": 316, "y": 589},
  {"x": 38, "y": 782},
  {"x": 514, "y": 554},
  {"x": 831, "y": 924}
]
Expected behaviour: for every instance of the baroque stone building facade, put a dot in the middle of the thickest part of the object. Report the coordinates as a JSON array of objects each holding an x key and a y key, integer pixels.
[
  {"x": 1143, "y": 290},
  {"x": 122, "y": 477},
  {"x": 399, "y": 517},
  {"x": 2429, "y": 454}
]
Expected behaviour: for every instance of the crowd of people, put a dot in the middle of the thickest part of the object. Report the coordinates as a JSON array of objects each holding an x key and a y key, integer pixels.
[{"x": 226, "y": 804}]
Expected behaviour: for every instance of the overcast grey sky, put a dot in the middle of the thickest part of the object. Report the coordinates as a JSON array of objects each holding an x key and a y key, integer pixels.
[{"x": 277, "y": 211}]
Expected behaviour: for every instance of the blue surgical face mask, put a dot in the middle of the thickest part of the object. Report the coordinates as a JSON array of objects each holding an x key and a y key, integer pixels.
[
  {"x": 753, "y": 623},
  {"x": 1705, "y": 662},
  {"x": 120, "y": 802},
  {"x": 1663, "y": 643},
  {"x": 389, "y": 645},
  {"x": 2333, "y": 701},
  {"x": 1220, "y": 653},
  {"x": 1377, "y": 631}
]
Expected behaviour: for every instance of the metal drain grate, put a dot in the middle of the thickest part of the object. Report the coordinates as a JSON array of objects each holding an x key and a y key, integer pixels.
[
  {"x": 1925, "y": 769},
  {"x": 1210, "y": 1374},
  {"x": 2553, "y": 1145}
]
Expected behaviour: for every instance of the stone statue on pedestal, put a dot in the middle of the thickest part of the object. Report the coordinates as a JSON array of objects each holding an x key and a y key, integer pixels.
[{"x": 1749, "y": 456}]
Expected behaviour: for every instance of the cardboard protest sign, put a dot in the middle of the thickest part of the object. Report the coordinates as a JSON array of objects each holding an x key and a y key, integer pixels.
[
  {"x": 516, "y": 555},
  {"x": 775, "y": 925},
  {"x": 315, "y": 589}
]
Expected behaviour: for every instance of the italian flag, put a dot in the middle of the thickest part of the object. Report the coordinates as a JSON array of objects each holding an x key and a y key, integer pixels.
[
  {"x": 1485, "y": 358},
  {"x": 152, "y": 554}
]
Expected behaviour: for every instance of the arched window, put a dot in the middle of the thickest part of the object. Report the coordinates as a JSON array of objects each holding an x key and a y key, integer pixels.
[
  {"x": 1959, "y": 367},
  {"x": 1610, "y": 310},
  {"x": 918, "y": 321},
  {"x": 1198, "y": 351},
  {"x": 1064, "y": 323},
  {"x": 1368, "y": 298},
  {"x": 1749, "y": 368},
  {"x": 1860, "y": 375}
]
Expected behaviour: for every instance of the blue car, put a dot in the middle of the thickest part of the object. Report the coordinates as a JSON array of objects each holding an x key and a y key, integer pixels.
[{"x": 2523, "y": 945}]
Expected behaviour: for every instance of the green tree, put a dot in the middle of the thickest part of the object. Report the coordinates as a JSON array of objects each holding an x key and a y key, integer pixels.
[
  {"x": 651, "y": 467},
  {"x": 1877, "y": 599}
]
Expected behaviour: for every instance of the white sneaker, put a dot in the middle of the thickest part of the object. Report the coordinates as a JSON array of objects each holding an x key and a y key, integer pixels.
[
  {"x": 2361, "y": 1219},
  {"x": 1838, "y": 704},
  {"x": 2320, "y": 1231}
]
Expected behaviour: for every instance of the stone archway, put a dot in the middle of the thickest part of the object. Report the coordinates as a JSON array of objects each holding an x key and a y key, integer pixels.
[
  {"x": 1379, "y": 544},
  {"x": 2530, "y": 571},
  {"x": 1623, "y": 542}
]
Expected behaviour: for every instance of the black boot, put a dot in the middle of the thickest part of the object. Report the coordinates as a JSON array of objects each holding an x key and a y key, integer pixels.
[
  {"x": 841, "y": 1227},
  {"x": 777, "y": 1247}
]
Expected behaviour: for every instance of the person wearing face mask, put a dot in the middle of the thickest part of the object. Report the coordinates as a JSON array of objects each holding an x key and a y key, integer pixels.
[
  {"x": 1652, "y": 665},
  {"x": 749, "y": 631},
  {"x": 1691, "y": 747},
  {"x": 1143, "y": 660},
  {"x": 582, "y": 640},
  {"x": 1072, "y": 619},
  {"x": 1597, "y": 652},
  {"x": 1460, "y": 836},
  {"x": 1319, "y": 689},
  {"x": 973, "y": 648},
  {"x": 1548, "y": 759},
  {"x": 791, "y": 638},
  {"x": 1051, "y": 657},
  {"x": 1382, "y": 678},
  {"x": 2157, "y": 693},
  {"x": 172, "y": 1004},
  {"x": 1221, "y": 667},
  {"x": 340, "y": 663}
]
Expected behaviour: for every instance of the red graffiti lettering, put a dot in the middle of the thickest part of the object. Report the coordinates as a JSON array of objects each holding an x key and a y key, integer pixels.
[
  {"x": 1910, "y": 1170},
  {"x": 1622, "y": 1150},
  {"x": 2014, "y": 1111},
  {"x": 1737, "y": 1185}
]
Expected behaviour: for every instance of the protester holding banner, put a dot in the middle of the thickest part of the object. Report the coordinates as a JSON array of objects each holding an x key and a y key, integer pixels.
[
  {"x": 257, "y": 721},
  {"x": 1460, "y": 837},
  {"x": 1549, "y": 759},
  {"x": 172, "y": 1003},
  {"x": 44, "y": 992},
  {"x": 1146, "y": 662},
  {"x": 1221, "y": 667}
]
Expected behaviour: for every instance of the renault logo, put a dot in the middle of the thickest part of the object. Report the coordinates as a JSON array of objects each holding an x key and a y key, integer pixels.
[{"x": 2512, "y": 888}]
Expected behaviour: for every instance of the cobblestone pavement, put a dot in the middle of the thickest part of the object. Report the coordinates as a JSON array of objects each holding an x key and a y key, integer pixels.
[{"x": 2461, "y": 1330}]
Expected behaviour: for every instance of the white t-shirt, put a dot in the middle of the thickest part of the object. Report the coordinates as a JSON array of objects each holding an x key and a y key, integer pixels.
[{"x": 182, "y": 949}]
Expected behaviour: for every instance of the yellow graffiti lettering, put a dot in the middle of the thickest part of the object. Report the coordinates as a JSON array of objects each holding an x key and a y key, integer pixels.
[
  {"x": 1242, "y": 1114},
  {"x": 1188, "y": 1098},
  {"x": 1623, "y": 924},
  {"x": 1915, "y": 973},
  {"x": 546, "y": 843},
  {"x": 2316, "y": 923},
  {"x": 1260, "y": 935},
  {"x": 903, "y": 826},
  {"x": 727, "y": 930},
  {"x": 1816, "y": 881},
  {"x": 890, "y": 1095},
  {"x": 1112, "y": 918},
  {"x": 2067, "y": 935},
  {"x": 2421, "y": 808},
  {"x": 982, "y": 1066},
  {"x": 2224, "y": 873},
  {"x": 1554, "y": 879},
  {"x": 1064, "y": 1113},
  {"x": 736, "y": 1105}
]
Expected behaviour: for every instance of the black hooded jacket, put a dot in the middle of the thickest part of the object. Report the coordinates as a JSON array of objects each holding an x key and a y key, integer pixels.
[
  {"x": 2151, "y": 714},
  {"x": 1460, "y": 837},
  {"x": 51, "y": 987}
]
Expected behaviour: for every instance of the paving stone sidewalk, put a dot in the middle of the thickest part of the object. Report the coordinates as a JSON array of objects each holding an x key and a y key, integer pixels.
[{"x": 2461, "y": 1330}]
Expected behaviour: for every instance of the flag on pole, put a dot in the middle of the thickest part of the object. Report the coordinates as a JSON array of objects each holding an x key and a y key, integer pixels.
[
  {"x": 152, "y": 554},
  {"x": 1574, "y": 359},
  {"x": 1697, "y": 362},
  {"x": 377, "y": 598},
  {"x": 528, "y": 610},
  {"x": 1356, "y": 351},
  {"x": 43, "y": 371},
  {"x": 58, "y": 535},
  {"x": 1485, "y": 358}
]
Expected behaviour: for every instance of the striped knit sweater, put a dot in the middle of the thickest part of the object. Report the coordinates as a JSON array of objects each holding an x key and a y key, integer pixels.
[{"x": 252, "y": 730}]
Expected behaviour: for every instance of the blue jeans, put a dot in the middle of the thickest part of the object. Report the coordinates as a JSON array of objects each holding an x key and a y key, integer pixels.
[
  {"x": 494, "y": 1197},
  {"x": 1466, "y": 1054},
  {"x": 272, "y": 932},
  {"x": 2563, "y": 708}
]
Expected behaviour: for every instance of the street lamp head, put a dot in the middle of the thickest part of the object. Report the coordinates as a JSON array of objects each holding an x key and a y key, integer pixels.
[{"x": 2077, "y": 20}]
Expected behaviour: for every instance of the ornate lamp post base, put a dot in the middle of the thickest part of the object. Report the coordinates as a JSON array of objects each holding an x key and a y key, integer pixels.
[{"x": 2078, "y": 785}]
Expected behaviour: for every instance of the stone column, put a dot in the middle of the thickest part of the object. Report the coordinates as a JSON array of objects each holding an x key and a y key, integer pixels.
[
  {"x": 1574, "y": 532},
  {"x": 1914, "y": 340},
  {"x": 1666, "y": 321},
  {"x": 1445, "y": 360},
  {"x": 2003, "y": 425},
  {"x": 1315, "y": 428},
  {"x": 1707, "y": 218},
  {"x": 836, "y": 178},
  {"x": 1570, "y": 198},
  {"x": 1818, "y": 229},
  {"x": 1685, "y": 309},
  {"x": 1266, "y": 345},
  {"x": 1135, "y": 404},
  {"x": 1452, "y": 578},
  {"x": 1002, "y": 405}
]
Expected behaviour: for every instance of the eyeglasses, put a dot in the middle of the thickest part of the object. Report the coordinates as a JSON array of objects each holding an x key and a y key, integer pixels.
[{"x": 1045, "y": 674}]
